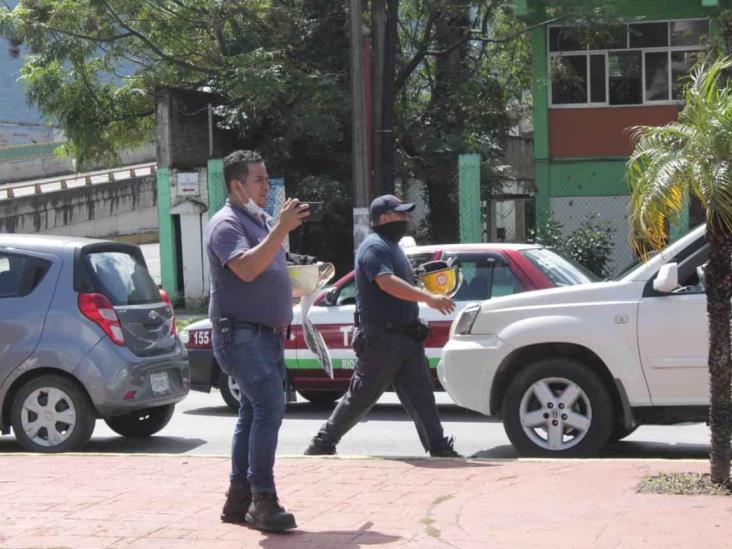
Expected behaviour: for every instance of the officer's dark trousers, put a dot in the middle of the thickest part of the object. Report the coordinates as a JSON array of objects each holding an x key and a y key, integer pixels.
[{"x": 387, "y": 359}]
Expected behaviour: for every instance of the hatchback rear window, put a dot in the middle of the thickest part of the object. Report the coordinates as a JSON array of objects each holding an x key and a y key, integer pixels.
[{"x": 122, "y": 277}]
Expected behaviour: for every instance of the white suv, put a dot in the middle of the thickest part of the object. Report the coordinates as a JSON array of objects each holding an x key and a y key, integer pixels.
[{"x": 569, "y": 369}]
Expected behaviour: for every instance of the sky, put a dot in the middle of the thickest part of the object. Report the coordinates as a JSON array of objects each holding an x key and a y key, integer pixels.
[{"x": 13, "y": 105}]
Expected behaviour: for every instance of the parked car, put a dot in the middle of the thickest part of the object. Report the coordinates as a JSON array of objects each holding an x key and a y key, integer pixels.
[
  {"x": 84, "y": 334},
  {"x": 569, "y": 369},
  {"x": 489, "y": 270}
]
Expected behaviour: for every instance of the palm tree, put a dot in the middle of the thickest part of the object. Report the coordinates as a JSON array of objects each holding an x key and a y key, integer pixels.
[{"x": 693, "y": 156}]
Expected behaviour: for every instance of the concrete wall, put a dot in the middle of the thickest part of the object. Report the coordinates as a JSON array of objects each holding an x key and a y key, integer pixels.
[
  {"x": 102, "y": 210},
  {"x": 48, "y": 165},
  {"x": 520, "y": 156},
  {"x": 186, "y": 137}
]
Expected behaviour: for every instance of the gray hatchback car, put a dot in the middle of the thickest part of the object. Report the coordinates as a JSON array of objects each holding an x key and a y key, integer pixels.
[{"x": 84, "y": 334}]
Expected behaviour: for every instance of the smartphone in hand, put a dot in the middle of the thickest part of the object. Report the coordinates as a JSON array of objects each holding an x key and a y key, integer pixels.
[{"x": 316, "y": 212}]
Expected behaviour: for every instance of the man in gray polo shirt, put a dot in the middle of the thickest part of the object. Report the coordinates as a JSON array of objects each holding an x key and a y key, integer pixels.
[{"x": 250, "y": 308}]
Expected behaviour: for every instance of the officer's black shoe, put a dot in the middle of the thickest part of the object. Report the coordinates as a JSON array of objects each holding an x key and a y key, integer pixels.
[
  {"x": 444, "y": 449},
  {"x": 319, "y": 447},
  {"x": 238, "y": 499},
  {"x": 267, "y": 514}
]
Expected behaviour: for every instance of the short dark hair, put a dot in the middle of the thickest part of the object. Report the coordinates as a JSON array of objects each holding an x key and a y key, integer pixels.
[{"x": 236, "y": 165}]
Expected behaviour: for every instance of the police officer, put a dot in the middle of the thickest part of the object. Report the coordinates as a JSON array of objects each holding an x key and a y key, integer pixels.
[
  {"x": 250, "y": 307},
  {"x": 389, "y": 338}
]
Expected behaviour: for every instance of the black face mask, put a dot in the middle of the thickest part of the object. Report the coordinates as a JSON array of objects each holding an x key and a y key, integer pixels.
[{"x": 392, "y": 231}]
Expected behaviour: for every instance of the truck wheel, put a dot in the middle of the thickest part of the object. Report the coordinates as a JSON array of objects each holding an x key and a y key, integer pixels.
[
  {"x": 557, "y": 407},
  {"x": 322, "y": 397},
  {"x": 229, "y": 391},
  {"x": 52, "y": 414},
  {"x": 141, "y": 423}
]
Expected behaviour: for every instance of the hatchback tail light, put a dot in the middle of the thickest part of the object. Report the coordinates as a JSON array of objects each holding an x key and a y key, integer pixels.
[
  {"x": 166, "y": 298},
  {"x": 99, "y": 310}
]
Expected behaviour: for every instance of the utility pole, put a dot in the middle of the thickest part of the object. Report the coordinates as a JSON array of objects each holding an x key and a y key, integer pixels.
[
  {"x": 378, "y": 31},
  {"x": 387, "y": 98},
  {"x": 384, "y": 14},
  {"x": 360, "y": 134}
]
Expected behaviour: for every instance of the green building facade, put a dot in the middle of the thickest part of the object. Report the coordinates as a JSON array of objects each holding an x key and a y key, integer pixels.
[{"x": 592, "y": 83}]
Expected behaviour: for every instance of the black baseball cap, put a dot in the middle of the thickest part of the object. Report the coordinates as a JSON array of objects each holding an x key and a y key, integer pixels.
[{"x": 388, "y": 203}]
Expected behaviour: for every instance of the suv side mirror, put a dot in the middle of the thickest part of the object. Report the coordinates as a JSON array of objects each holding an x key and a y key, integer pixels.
[{"x": 667, "y": 279}]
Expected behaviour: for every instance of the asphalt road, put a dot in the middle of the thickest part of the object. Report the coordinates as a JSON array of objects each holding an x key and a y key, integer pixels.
[{"x": 202, "y": 425}]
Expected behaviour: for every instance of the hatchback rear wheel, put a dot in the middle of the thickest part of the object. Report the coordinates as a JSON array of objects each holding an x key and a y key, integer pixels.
[
  {"x": 141, "y": 423},
  {"x": 52, "y": 414}
]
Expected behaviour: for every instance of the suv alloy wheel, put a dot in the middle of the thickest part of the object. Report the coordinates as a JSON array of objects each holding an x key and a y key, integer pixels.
[{"x": 557, "y": 407}]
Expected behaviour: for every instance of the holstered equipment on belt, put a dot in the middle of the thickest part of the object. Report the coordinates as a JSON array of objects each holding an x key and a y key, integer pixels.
[{"x": 418, "y": 330}]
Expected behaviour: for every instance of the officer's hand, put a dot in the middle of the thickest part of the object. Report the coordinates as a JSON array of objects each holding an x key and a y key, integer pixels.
[
  {"x": 442, "y": 303},
  {"x": 292, "y": 214}
]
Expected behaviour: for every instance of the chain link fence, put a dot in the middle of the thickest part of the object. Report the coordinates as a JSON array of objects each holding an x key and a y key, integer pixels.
[{"x": 571, "y": 211}]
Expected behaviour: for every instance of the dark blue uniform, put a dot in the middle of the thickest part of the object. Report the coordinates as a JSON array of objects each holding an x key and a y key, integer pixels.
[
  {"x": 388, "y": 348},
  {"x": 377, "y": 256}
]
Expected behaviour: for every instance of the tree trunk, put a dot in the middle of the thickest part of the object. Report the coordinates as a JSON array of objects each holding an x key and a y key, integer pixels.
[
  {"x": 447, "y": 114},
  {"x": 444, "y": 213},
  {"x": 719, "y": 310}
]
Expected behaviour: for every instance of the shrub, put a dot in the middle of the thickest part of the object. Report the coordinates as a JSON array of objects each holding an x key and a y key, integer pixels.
[{"x": 590, "y": 244}]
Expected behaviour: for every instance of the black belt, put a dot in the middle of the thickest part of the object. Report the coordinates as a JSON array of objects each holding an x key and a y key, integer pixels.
[
  {"x": 258, "y": 327},
  {"x": 389, "y": 327},
  {"x": 418, "y": 329}
]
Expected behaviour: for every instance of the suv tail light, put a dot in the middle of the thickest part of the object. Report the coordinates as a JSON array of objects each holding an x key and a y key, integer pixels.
[
  {"x": 166, "y": 298},
  {"x": 99, "y": 310}
]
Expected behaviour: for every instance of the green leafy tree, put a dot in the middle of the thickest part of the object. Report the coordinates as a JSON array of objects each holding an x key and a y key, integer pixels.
[
  {"x": 279, "y": 67},
  {"x": 458, "y": 68},
  {"x": 693, "y": 156}
]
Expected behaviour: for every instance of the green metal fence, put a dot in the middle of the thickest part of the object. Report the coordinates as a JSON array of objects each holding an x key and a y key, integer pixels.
[{"x": 21, "y": 152}]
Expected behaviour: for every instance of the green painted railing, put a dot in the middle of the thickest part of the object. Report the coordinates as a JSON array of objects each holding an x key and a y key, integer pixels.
[{"x": 18, "y": 152}]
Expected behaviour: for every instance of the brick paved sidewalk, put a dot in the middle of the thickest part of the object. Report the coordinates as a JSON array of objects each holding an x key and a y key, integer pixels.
[{"x": 137, "y": 501}]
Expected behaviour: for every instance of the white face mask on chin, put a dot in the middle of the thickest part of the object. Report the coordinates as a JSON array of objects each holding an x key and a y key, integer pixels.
[
  {"x": 251, "y": 207},
  {"x": 254, "y": 209}
]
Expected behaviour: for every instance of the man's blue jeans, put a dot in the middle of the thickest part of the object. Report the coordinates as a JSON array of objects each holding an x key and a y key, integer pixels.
[{"x": 255, "y": 359}]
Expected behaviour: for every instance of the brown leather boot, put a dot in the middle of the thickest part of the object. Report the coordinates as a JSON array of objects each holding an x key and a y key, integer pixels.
[
  {"x": 238, "y": 499},
  {"x": 267, "y": 514}
]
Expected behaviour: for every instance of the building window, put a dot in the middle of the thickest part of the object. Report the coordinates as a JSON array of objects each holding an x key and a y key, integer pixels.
[
  {"x": 624, "y": 64},
  {"x": 569, "y": 84}
]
